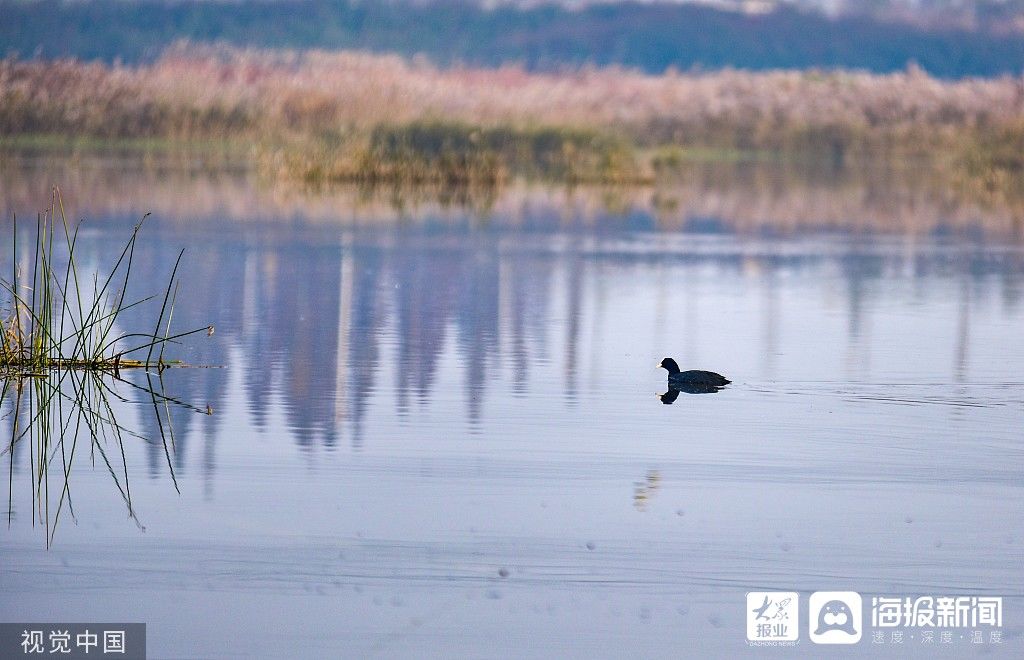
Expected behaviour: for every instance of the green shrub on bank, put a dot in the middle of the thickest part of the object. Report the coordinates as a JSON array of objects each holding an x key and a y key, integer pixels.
[{"x": 435, "y": 152}]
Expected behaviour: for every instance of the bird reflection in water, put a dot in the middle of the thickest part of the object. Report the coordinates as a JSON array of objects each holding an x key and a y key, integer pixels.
[{"x": 669, "y": 397}]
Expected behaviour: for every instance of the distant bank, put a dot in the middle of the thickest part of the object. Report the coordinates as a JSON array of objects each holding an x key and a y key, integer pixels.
[
  {"x": 651, "y": 37},
  {"x": 355, "y": 116}
]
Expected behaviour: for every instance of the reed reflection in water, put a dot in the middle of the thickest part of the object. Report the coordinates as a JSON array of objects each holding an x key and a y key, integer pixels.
[
  {"x": 60, "y": 414},
  {"x": 321, "y": 322},
  {"x": 747, "y": 197},
  {"x": 447, "y": 419}
]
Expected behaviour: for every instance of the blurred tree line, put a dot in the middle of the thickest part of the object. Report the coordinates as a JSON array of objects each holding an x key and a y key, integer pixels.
[{"x": 650, "y": 37}]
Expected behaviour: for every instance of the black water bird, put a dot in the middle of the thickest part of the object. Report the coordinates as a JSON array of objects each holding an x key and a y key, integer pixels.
[{"x": 694, "y": 381}]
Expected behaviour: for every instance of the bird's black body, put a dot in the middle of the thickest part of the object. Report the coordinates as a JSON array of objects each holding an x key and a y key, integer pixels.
[
  {"x": 693, "y": 381},
  {"x": 698, "y": 377}
]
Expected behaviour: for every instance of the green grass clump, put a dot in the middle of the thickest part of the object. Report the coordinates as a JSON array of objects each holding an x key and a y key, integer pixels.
[
  {"x": 61, "y": 354},
  {"x": 59, "y": 319}
]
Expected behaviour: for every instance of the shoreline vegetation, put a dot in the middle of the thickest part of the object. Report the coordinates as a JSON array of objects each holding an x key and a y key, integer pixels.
[{"x": 319, "y": 117}]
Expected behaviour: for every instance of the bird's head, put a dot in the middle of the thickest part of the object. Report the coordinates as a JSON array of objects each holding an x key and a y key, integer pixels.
[{"x": 669, "y": 365}]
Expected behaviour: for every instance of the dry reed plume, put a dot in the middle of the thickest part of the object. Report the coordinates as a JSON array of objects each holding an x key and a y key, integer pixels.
[{"x": 342, "y": 107}]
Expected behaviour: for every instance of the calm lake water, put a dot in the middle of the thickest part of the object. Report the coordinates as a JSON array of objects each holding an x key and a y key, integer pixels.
[{"x": 433, "y": 431}]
